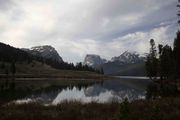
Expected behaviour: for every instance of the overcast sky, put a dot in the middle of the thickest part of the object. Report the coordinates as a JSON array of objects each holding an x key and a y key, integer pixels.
[{"x": 79, "y": 27}]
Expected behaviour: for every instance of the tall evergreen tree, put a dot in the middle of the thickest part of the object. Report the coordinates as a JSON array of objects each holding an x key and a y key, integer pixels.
[
  {"x": 160, "y": 62},
  {"x": 7, "y": 79},
  {"x": 166, "y": 62},
  {"x": 152, "y": 62},
  {"x": 102, "y": 71},
  {"x": 13, "y": 68},
  {"x": 176, "y": 51},
  {"x": 178, "y": 14},
  {"x": 13, "y": 71}
]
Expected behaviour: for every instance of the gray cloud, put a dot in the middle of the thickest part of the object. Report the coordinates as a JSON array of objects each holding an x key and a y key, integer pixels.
[
  {"x": 75, "y": 28},
  {"x": 6, "y": 4}
]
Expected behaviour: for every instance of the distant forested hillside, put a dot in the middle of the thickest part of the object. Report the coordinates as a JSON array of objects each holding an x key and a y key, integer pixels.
[
  {"x": 12, "y": 54},
  {"x": 115, "y": 68},
  {"x": 9, "y": 54}
]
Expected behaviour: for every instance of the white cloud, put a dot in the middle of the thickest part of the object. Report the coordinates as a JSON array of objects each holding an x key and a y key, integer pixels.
[
  {"x": 139, "y": 41},
  {"x": 78, "y": 27}
]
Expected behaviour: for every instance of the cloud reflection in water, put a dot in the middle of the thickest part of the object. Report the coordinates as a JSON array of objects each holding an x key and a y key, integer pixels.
[{"x": 95, "y": 94}]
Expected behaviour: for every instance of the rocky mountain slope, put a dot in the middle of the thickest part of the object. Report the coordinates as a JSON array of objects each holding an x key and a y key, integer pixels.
[
  {"x": 125, "y": 58},
  {"x": 45, "y": 51},
  {"x": 128, "y": 63},
  {"x": 93, "y": 60},
  {"x": 36, "y": 60},
  {"x": 129, "y": 58}
]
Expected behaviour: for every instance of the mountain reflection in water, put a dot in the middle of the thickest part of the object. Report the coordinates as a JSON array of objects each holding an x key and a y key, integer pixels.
[{"x": 110, "y": 90}]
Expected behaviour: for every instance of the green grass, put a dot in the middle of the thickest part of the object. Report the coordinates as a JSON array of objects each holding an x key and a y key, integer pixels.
[
  {"x": 38, "y": 70},
  {"x": 160, "y": 109}
]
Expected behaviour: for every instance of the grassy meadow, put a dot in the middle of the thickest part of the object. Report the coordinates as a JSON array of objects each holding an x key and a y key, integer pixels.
[
  {"x": 35, "y": 70},
  {"x": 159, "y": 109}
]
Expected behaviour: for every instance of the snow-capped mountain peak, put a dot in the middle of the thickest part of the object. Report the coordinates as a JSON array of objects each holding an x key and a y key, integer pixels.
[
  {"x": 45, "y": 51},
  {"x": 93, "y": 60},
  {"x": 129, "y": 57},
  {"x": 43, "y": 48}
]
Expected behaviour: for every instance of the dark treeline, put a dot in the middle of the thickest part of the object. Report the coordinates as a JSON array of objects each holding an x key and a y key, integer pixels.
[
  {"x": 11, "y": 54},
  {"x": 70, "y": 66},
  {"x": 163, "y": 62}
]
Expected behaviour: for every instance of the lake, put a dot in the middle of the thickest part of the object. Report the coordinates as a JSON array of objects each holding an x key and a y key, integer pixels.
[{"x": 117, "y": 89}]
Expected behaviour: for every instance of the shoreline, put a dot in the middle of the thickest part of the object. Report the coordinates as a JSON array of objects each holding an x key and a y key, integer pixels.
[{"x": 53, "y": 77}]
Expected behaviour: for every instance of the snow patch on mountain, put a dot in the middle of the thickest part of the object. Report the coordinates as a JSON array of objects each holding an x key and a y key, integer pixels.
[
  {"x": 45, "y": 51},
  {"x": 129, "y": 57},
  {"x": 93, "y": 60}
]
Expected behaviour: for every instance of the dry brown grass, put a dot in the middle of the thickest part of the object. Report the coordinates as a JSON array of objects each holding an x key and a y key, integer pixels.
[{"x": 165, "y": 109}]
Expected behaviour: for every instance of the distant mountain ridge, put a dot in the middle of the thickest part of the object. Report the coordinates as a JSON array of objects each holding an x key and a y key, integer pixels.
[
  {"x": 126, "y": 57},
  {"x": 128, "y": 63},
  {"x": 46, "y": 55},
  {"x": 45, "y": 51},
  {"x": 93, "y": 60},
  {"x": 129, "y": 58}
]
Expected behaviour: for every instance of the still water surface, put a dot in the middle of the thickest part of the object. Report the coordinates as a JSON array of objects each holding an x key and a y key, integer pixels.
[{"x": 110, "y": 90}]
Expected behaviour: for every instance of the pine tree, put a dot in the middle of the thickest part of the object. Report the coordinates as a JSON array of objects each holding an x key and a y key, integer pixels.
[
  {"x": 102, "y": 71},
  {"x": 2, "y": 65},
  {"x": 13, "y": 68},
  {"x": 160, "y": 62},
  {"x": 152, "y": 62},
  {"x": 176, "y": 51},
  {"x": 156, "y": 113},
  {"x": 178, "y": 14},
  {"x": 7, "y": 79},
  {"x": 166, "y": 63},
  {"x": 124, "y": 110}
]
